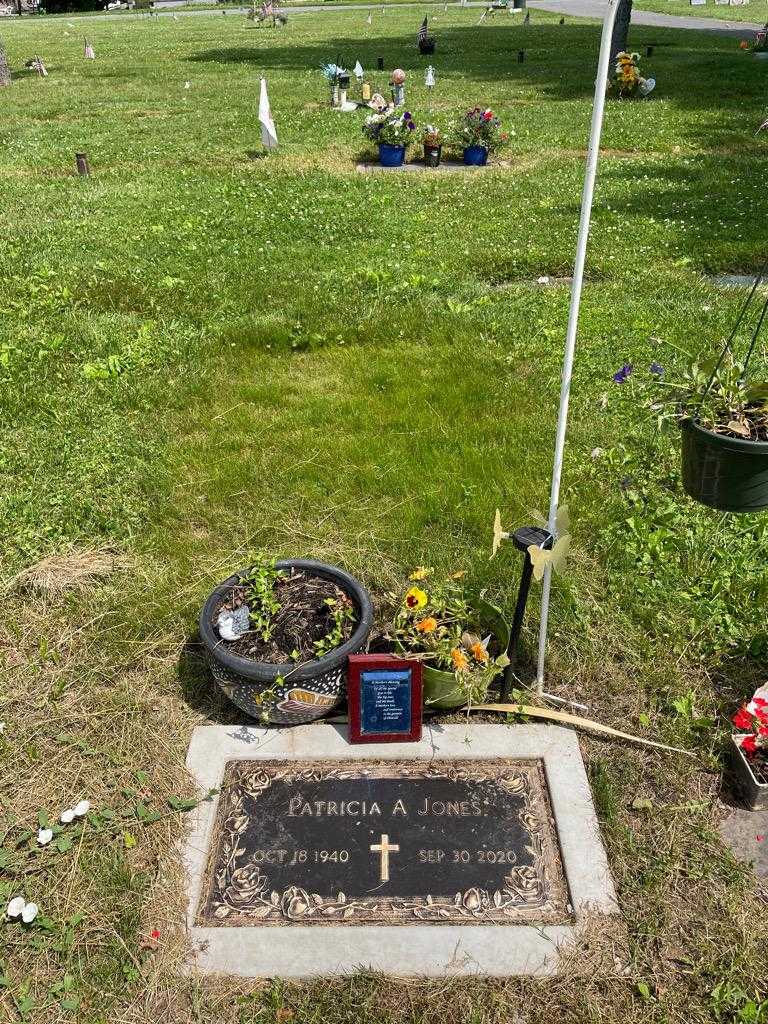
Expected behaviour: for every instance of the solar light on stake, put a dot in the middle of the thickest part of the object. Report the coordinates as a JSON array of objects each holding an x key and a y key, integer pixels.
[
  {"x": 343, "y": 86},
  {"x": 83, "y": 169},
  {"x": 380, "y": 63},
  {"x": 649, "y": 51},
  {"x": 521, "y": 56}
]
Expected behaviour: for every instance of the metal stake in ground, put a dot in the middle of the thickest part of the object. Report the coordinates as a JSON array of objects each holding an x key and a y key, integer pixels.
[
  {"x": 573, "y": 320},
  {"x": 522, "y": 539},
  {"x": 83, "y": 169}
]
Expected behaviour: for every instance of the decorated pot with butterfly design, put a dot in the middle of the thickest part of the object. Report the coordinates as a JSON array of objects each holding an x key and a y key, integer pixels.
[
  {"x": 441, "y": 689},
  {"x": 727, "y": 473},
  {"x": 268, "y": 692}
]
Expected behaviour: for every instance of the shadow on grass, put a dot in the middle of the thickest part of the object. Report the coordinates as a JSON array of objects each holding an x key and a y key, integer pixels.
[
  {"x": 693, "y": 69},
  {"x": 199, "y": 689}
]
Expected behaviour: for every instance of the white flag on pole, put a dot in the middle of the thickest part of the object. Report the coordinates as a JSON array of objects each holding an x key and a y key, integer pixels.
[
  {"x": 369, "y": 20},
  {"x": 89, "y": 51},
  {"x": 268, "y": 133}
]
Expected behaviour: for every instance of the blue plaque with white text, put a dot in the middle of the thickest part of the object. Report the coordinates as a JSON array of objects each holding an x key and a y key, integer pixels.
[{"x": 384, "y": 699}]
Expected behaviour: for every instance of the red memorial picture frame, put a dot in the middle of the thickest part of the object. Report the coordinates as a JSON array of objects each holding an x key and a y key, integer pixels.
[{"x": 384, "y": 696}]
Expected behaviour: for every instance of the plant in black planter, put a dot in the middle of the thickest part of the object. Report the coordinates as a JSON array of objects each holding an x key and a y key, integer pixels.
[
  {"x": 749, "y": 750},
  {"x": 462, "y": 642},
  {"x": 724, "y": 420},
  {"x": 278, "y": 635},
  {"x": 433, "y": 145}
]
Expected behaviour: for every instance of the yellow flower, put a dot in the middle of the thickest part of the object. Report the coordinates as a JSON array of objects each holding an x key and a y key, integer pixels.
[
  {"x": 479, "y": 653},
  {"x": 415, "y": 599},
  {"x": 419, "y": 574},
  {"x": 459, "y": 658},
  {"x": 428, "y": 625}
]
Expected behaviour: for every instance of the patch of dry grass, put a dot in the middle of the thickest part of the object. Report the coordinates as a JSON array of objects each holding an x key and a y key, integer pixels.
[{"x": 77, "y": 568}]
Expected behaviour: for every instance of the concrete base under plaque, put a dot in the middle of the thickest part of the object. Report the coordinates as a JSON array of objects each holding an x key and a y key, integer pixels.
[{"x": 474, "y": 851}]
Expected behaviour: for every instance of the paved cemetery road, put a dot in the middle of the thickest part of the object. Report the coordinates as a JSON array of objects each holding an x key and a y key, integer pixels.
[
  {"x": 571, "y": 8},
  {"x": 596, "y": 9}
]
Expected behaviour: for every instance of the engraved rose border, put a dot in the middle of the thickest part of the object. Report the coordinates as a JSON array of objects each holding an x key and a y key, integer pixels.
[{"x": 238, "y": 891}]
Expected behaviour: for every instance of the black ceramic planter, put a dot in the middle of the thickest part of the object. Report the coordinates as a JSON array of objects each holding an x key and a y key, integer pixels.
[
  {"x": 432, "y": 155},
  {"x": 309, "y": 692},
  {"x": 726, "y": 473},
  {"x": 750, "y": 790}
]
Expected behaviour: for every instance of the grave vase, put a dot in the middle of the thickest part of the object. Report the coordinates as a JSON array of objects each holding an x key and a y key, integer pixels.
[
  {"x": 476, "y": 156},
  {"x": 391, "y": 156},
  {"x": 432, "y": 155}
]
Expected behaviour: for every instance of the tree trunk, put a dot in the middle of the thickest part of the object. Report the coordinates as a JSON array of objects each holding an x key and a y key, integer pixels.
[
  {"x": 5, "y": 73},
  {"x": 621, "y": 28}
]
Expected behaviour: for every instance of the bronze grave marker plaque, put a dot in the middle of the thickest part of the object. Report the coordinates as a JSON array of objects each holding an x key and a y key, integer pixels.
[{"x": 384, "y": 842}]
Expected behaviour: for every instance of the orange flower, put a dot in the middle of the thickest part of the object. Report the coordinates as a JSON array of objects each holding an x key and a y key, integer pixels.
[
  {"x": 428, "y": 625},
  {"x": 479, "y": 653},
  {"x": 459, "y": 658}
]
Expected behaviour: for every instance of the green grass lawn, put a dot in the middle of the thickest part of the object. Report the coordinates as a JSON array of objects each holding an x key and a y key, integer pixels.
[
  {"x": 205, "y": 351},
  {"x": 756, "y": 11}
]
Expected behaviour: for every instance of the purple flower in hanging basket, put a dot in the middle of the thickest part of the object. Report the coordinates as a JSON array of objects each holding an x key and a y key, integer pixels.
[
  {"x": 621, "y": 375},
  {"x": 656, "y": 369}
]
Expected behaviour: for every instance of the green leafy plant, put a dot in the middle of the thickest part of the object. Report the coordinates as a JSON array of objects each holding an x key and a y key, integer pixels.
[
  {"x": 259, "y": 593},
  {"x": 717, "y": 394},
  {"x": 342, "y": 612}
]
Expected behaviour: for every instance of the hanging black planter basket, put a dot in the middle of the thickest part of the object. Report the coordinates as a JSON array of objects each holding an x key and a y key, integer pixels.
[
  {"x": 723, "y": 472},
  {"x": 719, "y": 470}
]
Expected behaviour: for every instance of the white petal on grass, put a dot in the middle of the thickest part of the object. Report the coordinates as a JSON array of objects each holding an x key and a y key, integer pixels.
[
  {"x": 44, "y": 836},
  {"x": 2, "y": 728},
  {"x": 81, "y": 808},
  {"x": 67, "y": 816},
  {"x": 16, "y": 906},
  {"x": 29, "y": 913}
]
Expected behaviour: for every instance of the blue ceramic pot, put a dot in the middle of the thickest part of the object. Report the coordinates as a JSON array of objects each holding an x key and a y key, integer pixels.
[
  {"x": 476, "y": 156},
  {"x": 391, "y": 156}
]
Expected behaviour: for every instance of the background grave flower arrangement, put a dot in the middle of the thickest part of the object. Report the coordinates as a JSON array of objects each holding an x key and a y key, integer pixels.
[
  {"x": 627, "y": 80},
  {"x": 390, "y": 128},
  {"x": 436, "y": 623},
  {"x": 479, "y": 127},
  {"x": 759, "y": 42}
]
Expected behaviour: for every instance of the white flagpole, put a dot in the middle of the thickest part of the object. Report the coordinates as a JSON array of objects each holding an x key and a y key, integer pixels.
[{"x": 573, "y": 321}]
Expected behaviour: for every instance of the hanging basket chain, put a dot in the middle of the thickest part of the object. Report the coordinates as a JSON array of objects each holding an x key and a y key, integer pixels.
[
  {"x": 755, "y": 336},
  {"x": 728, "y": 347}
]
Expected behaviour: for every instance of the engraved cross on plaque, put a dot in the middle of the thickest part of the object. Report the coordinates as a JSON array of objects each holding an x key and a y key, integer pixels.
[{"x": 385, "y": 848}]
